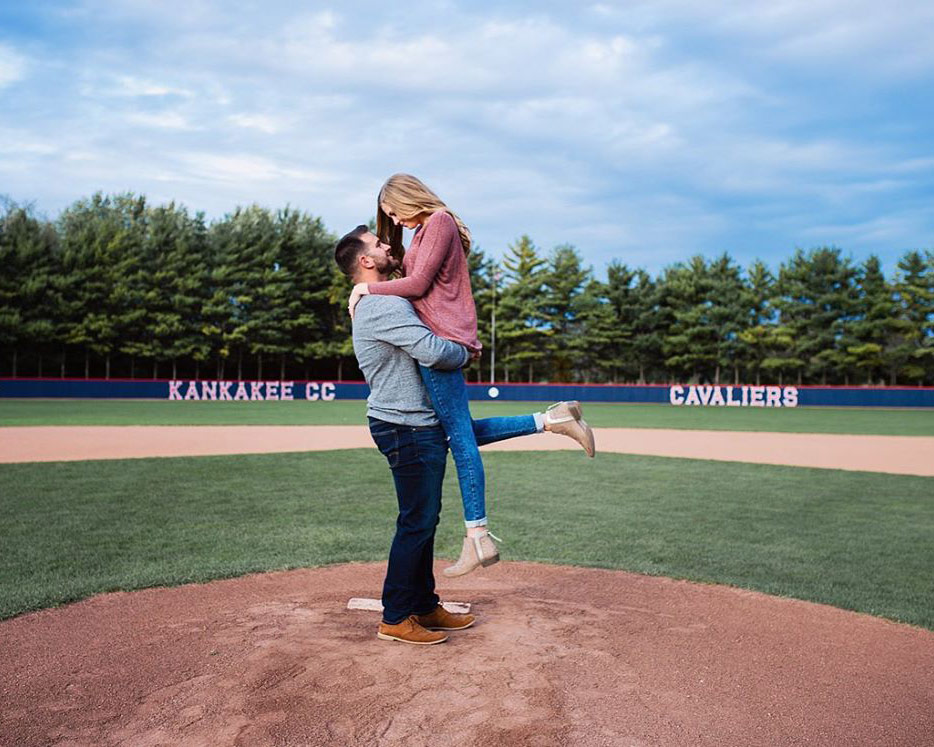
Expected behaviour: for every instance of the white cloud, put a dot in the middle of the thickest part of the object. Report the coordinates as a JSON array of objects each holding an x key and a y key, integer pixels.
[
  {"x": 243, "y": 168},
  {"x": 12, "y": 66},
  {"x": 261, "y": 122},
  {"x": 128, "y": 85},
  {"x": 160, "y": 120}
]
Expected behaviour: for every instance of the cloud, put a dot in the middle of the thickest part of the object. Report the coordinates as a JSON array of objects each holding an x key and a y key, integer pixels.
[
  {"x": 128, "y": 85},
  {"x": 261, "y": 122},
  {"x": 12, "y": 66},
  {"x": 167, "y": 120},
  {"x": 644, "y": 130}
]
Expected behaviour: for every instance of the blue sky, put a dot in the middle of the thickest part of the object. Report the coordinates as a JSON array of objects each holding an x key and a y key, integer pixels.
[{"x": 638, "y": 131}]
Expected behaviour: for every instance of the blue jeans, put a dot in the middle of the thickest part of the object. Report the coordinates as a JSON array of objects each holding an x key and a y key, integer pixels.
[
  {"x": 448, "y": 392},
  {"x": 417, "y": 458}
]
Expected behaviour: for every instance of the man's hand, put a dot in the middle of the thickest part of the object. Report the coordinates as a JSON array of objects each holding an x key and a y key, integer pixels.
[
  {"x": 359, "y": 291},
  {"x": 475, "y": 355}
]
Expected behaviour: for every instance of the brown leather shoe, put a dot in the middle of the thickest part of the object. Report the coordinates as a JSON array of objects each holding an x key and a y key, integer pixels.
[
  {"x": 409, "y": 631},
  {"x": 475, "y": 552},
  {"x": 565, "y": 419},
  {"x": 441, "y": 619}
]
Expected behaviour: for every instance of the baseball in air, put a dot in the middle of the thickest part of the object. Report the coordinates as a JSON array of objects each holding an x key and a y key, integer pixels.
[{"x": 493, "y": 392}]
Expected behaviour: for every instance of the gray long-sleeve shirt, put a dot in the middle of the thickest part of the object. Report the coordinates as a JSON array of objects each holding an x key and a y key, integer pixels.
[{"x": 388, "y": 339}]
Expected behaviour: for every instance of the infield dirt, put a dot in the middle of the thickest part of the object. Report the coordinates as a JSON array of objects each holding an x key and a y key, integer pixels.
[
  {"x": 559, "y": 656},
  {"x": 906, "y": 455}
]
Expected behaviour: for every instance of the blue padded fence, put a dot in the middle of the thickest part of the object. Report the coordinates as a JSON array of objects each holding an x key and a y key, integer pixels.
[{"x": 676, "y": 395}]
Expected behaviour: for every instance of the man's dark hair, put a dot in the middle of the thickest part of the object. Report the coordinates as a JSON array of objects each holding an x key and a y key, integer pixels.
[{"x": 349, "y": 249}]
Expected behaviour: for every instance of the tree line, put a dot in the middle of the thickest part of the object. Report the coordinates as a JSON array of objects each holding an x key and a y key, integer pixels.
[{"x": 118, "y": 287}]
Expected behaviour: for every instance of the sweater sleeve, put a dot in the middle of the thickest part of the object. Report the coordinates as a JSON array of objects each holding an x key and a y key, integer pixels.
[
  {"x": 432, "y": 251},
  {"x": 397, "y": 323}
]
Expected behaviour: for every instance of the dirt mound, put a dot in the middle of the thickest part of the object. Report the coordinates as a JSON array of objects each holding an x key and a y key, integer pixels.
[{"x": 559, "y": 656}]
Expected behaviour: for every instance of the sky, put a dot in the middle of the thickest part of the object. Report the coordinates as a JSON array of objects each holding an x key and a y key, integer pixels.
[{"x": 642, "y": 132}]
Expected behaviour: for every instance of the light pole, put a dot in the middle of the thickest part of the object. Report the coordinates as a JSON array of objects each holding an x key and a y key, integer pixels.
[{"x": 495, "y": 275}]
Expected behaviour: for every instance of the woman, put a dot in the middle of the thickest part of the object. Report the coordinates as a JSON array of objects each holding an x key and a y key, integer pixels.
[{"x": 437, "y": 282}]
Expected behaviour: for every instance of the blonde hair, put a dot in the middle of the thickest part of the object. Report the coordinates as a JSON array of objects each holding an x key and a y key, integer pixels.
[{"x": 409, "y": 198}]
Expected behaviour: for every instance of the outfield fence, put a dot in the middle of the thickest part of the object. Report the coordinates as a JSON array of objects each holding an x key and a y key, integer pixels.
[{"x": 677, "y": 395}]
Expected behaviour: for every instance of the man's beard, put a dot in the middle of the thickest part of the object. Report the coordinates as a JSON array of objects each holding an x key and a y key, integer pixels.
[{"x": 388, "y": 265}]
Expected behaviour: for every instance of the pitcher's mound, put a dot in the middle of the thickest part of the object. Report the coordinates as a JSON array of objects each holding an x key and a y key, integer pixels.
[{"x": 559, "y": 656}]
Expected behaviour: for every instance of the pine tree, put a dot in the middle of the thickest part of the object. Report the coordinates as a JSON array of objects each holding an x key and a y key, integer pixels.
[
  {"x": 482, "y": 274},
  {"x": 726, "y": 314},
  {"x": 246, "y": 308},
  {"x": 595, "y": 346},
  {"x": 690, "y": 343},
  {"x": 913, "y": 353},
  {"x": 101, "y": 240},
  {"x": 877, "y": 323},
  {"x": 28, "y": 269},
  {"x": 624, "y": 302},
  {"x": 306, "y": 251},
  {"x": 521, "y": 328},
  {"x": 817, "y": 301},
  {"x": 649, "y": 322},
  {"x": 564, "y": 282},
  {"x": 758, "y": 318}
]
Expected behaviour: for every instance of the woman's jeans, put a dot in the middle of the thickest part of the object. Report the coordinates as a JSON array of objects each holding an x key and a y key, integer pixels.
[
  {"x": 417, "y": 458},
  {"x": 448, "y": 392}
]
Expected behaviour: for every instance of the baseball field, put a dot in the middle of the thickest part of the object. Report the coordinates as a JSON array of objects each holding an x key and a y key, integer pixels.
[{"x": 775, "y": 588}]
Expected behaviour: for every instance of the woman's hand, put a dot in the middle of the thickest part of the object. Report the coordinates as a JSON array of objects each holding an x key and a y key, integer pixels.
[{"x": 359, "y": 291}]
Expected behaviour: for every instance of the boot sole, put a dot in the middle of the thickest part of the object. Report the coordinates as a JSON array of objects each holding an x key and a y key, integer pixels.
[
  {"x": 593, "y": 444},
  {"x": 384, "y": 637},
  {"x": 462, "y": 627}
]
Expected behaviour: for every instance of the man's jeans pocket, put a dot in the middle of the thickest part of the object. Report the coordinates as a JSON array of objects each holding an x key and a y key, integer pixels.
[{"x": 387, "y": 441}]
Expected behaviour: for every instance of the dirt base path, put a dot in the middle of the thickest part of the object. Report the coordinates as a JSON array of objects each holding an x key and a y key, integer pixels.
[
  {"x": 905, "y": 455},
  {"x": 559, "y": 656}
]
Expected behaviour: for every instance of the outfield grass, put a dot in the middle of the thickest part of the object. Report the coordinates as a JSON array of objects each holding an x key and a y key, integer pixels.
[
  {"x": 352, "y": 412},
  {"x": 859, "y": 541}
]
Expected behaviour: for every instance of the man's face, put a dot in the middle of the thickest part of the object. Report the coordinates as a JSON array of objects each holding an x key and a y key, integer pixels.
[{"x": 379, "y": 254}]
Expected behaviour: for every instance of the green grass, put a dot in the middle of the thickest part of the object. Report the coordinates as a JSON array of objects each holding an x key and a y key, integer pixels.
[
  {"x": 352, "y": 412},
  {"x": 859, "y": 541}
]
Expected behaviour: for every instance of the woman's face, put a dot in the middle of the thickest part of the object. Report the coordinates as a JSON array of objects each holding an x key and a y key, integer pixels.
[{"x": 407, "y": 222}]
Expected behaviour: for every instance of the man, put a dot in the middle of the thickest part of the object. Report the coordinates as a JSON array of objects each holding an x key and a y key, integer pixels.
[{"x": 388, "y": 339}]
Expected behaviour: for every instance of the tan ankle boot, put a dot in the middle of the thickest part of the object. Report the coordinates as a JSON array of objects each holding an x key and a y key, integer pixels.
[
  {"x": 565, "y": 419},
  {"x": 475, "y": 552}
]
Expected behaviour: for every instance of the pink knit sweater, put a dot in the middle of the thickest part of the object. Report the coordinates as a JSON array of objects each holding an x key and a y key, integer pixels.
[{"x": 437, "y": 282}]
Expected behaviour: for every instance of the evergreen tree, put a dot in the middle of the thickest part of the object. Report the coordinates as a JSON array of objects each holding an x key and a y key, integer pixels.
[
  {"x": 690, "y": 343},
  {"x": 168, "y": 285},
  {"x": 247, "y": 308},
  {"x": 564, "y": 282},
  {"x": 482, "y": 273},
  {"x": 877, "y": 323},
  {"x": 758, "y": 316},
  {"x": 521, "y": 325},
  {"x": 817, "y": 301},
  {"x": 913, "y": 352},
  {"x": 624, "y": 302},
  {"x": 306, "y": 251},
  {"x": 726, "y": 314},
  {"x": 650, "y": 319},
  {"x": 28, "y": 269},
  {"x": 595, "y": 346},
  {"x": 101, "y": 248},
  {"x": 340, "y": 344}
]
